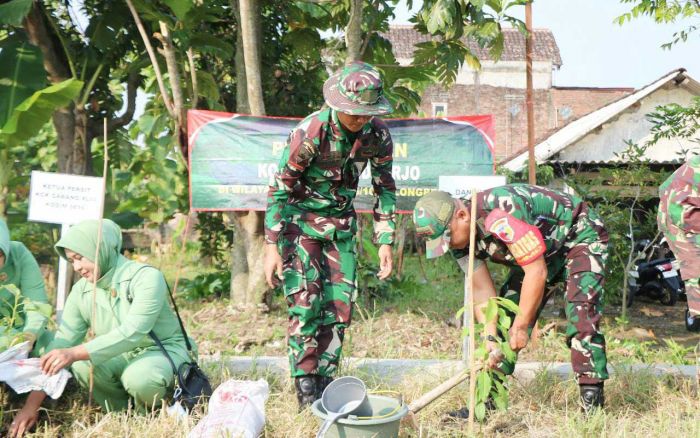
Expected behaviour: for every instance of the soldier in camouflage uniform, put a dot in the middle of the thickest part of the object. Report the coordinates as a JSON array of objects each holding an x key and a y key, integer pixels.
[
  {"x": 311, "y": 221},
  {"x": 679, "y": 220},
  {"x": 544, "y": 235}
]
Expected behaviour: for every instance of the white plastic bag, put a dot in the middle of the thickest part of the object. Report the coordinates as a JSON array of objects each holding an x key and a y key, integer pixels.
[
  {"x": 24, "y": 375},
  {"x": 236, "y": 409}
]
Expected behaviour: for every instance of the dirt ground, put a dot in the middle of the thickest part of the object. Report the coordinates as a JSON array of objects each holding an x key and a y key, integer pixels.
[{"x": 378, "y": 333}]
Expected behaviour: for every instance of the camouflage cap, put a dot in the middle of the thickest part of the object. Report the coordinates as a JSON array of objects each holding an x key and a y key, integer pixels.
[
  {"x": 432, "y": 215},
  {"x": 357, "y": 89}
]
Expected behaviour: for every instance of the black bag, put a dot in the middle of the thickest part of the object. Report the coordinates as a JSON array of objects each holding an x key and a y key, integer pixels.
[{"x": 192, "y": 385}]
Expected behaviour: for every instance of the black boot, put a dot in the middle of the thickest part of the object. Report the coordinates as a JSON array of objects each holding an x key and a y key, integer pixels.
[
  {"x": 321, "y": 383},
  {"x": 592, "y": 397},
  {"x": 306, "y": 390},
  {"x": 463, "y": 413}
]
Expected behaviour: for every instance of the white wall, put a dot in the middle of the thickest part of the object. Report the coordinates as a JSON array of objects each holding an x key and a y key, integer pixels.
[
  {"x": 508, "y": 74},
  {"x": 601, "y": 144}
]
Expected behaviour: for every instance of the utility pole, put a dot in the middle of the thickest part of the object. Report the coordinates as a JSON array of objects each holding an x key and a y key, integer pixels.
[{"x": 532, "y": 172}]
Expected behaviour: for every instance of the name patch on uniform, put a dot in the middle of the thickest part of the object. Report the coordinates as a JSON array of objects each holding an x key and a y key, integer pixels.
[{"x": 527, "y": 248}]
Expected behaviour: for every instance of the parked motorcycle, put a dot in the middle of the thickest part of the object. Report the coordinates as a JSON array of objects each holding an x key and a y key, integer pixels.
[{"x": 656, "y": 274}]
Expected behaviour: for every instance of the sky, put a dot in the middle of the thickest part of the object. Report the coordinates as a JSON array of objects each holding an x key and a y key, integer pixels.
[{"x": 598, "y": 53}]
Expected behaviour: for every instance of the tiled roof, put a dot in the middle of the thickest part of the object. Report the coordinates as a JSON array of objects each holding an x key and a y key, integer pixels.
[{"x": 404, "y": 38}]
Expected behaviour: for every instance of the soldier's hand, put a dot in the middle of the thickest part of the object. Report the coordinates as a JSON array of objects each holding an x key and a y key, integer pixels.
[
  {"x": 518, "y": 337},
  {"x": 386, "y": 262},
  {"x": 495, "y": 355},
  {"x": 272, "y": 265}
]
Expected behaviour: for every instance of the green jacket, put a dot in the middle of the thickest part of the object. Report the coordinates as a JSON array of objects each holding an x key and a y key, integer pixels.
[
  {"x": 318, "y": 175},
  {"x": 130, "y": 301},
  {"x": 22, "y": 270}
]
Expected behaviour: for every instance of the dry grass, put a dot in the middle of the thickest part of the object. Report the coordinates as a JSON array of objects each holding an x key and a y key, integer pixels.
[
  {"x": 382, "y": 333},
  {"x": 638, "y": 405},
  {"x": 414, "y": 323}
]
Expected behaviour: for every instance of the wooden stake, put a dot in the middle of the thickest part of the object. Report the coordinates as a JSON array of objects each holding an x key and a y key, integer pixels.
[
  {"x": 435, "y": 393},
  {"x": 470, "y": 273},
  {"x": 97, "y": 256}
]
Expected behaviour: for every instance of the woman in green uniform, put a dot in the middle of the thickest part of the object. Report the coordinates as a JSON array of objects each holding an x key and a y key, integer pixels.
[
  {"x": 19, "y": 268},
  {"x": 131, "y": 301}
]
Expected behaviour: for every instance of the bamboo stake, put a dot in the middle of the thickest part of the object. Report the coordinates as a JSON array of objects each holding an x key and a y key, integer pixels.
[
  {"x": 435, "y": 393},
  {"x": 438, "y": 391},
  {"x": 97, "y": 256},
  {"x": 441, "y": 389},
  {"x": 470, "y": 272}
]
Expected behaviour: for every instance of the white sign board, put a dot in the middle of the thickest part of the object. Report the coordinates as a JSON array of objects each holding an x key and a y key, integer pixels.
[
  {"x": 460, "y": 186},
  {"x": 60, "y": 198}
]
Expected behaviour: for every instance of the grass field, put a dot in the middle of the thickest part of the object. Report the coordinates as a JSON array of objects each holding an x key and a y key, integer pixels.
[
  {"x": 415, "y": 319},
  {"x": 638, "y": 405}
]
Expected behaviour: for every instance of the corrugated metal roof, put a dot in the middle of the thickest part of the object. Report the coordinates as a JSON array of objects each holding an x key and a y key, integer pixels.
[{"x": 577, "y": 129}]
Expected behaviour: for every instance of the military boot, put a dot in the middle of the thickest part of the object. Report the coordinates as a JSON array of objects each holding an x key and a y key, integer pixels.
[
  {"x": 463, "y": 413},
  {"x": 592, "y": 397},
  {"x": 321, "y": 383},
  {"x": 306, "y": 390}
]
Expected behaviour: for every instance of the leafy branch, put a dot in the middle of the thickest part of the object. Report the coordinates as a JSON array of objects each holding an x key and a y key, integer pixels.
[
  {"x": 489, "y": 383},
  {"x": 12, "y": 314}
]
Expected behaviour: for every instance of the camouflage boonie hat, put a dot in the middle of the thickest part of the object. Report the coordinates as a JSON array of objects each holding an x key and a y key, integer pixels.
[
  {"x": 356, "y": 89},
  {"x": 432, "y": 216}
]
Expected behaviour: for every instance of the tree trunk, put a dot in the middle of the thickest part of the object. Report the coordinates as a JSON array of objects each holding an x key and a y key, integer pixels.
[
  {"x": 73, "y": 153},
  {"x": 247, "y": 277},
  {"x": 353, "y": 32},
  {"x": 250, "y": 28},
  {"x": 179, "y": 109},
  {"x": 401, "y": 225},
  {"x": 242, "y": 105}
]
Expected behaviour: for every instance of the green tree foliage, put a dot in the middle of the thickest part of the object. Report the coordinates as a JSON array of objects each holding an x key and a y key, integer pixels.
[
  {"x": 664, "y": 11},
  {"x": 489, "y": 383},
  {"x": 675, "y": 121},
  {"x": 12, "y": 315},
  {"x": 452, "y": 22}
]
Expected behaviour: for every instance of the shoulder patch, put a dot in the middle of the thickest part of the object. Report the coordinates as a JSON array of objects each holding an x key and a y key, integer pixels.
[
  {"x": 524, "y": 241},
  {"x": 502, "y": 229}
]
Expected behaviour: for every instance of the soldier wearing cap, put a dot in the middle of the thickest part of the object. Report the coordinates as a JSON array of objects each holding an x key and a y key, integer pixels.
[
  {"x": 679, "y": 220},
  {"x": 310, "y": 222},
  {"x": 544, "y": 235}
]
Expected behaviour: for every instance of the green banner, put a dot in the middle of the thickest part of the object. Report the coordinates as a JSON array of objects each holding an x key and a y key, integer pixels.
[{"x": 232, "y": 157}]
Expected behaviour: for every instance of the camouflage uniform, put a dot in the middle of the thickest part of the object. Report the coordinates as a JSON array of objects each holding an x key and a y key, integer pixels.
[
  {"x": 679, "y": 220},
  {"x": 310, "y": 216},
  {"x": 518, "y": 223}
]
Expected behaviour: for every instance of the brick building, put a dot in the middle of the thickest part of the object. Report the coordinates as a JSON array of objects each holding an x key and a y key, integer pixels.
[{"x": 499, "y": 88}]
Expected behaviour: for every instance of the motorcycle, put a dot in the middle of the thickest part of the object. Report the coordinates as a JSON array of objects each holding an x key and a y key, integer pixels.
[{"x": 656, "y": 274}]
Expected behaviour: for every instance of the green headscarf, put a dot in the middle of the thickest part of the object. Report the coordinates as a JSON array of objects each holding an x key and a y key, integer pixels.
[
  {"x": 4, "y": 240},
  {"x": 82, "y": 239}
]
